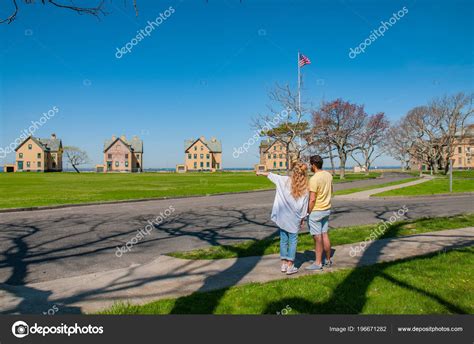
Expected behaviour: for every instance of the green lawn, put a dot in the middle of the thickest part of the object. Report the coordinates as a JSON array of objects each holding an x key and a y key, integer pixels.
[
  {"x": 339, "y": 236},
  {"x": 432, "y": 187},
  {"x": 441, "y": 283},
  {"x": 371, "y": 187},
  {"x": 42, "y": 189}
]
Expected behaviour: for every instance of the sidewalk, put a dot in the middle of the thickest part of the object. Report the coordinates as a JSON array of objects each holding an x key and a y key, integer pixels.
[
  {"x": 365, "y": 195},
  {"x": 168, "y": 277}
]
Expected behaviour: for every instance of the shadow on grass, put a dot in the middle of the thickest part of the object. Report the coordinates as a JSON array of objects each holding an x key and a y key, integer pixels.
[{"x": 349, "y": 297}]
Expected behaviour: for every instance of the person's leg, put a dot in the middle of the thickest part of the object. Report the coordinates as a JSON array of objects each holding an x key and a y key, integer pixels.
[
  {"x": 326, "y": 241},
  {"x": 292, "y": 243},
  {"x": 283, "y": 246},
  {"x": 318, "y": 239}
]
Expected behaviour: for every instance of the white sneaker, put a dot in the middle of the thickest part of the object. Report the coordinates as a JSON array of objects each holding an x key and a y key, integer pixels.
[
  {"x": 284, "y": 267},
  {"x": 291, "y": 270}
]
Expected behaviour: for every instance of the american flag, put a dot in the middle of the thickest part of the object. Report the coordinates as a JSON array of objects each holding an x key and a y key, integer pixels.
[{"x": 303, "y": 60}]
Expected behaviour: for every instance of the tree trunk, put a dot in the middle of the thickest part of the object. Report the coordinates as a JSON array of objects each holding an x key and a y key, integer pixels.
[
  {"x": 342, "y": 167},
  {"x": 331, "y": 159},
  {"x": 74, "y": 166},
  {"x": 287, "y": 158}
]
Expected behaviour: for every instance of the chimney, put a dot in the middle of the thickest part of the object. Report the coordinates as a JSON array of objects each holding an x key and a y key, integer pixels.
[
  {"x": 202, "y": 138},
  {"x": 213, "y": 139},
  {"x": 123, "y": 138},
  {"x": 113, "y": 137},
  {"x": 53, "y": 136}
]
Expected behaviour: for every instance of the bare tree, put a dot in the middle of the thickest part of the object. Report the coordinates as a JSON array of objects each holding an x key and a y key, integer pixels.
[
  {"x": 369, "y": 140},
  {"x": 76, "y": 156},
  {"x": 286, "y": 123},
  {"x": 451, "y": 113},
  {"x": 97, "y": 10},
  {"x": 398, "y": 144},
  {"x": 339, "y": 124}
]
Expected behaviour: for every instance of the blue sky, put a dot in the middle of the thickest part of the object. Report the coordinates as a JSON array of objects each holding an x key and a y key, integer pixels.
[{"x": 207, "y": 69}]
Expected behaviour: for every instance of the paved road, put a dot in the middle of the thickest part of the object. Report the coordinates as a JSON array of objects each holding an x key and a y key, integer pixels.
[{"x": 49, "y": 244}]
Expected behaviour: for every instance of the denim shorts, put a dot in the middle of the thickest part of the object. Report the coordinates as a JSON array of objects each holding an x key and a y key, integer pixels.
[{"x": 319, "y": 222}]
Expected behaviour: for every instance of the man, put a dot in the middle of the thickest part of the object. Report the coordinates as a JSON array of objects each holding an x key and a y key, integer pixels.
[{"x": 319, "y": 208}]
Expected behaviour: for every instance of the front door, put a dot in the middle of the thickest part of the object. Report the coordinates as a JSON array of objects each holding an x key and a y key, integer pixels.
[
  {"x": 20, "y": 165},
  {"x": 109, "y": 165}
]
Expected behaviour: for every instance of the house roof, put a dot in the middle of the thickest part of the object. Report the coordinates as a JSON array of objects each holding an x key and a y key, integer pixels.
[
  {"x": 49, "y": 145},
  {"x": 135, "y": 144},
  {"x": 214, "y": 145},
  {"x": 268, "y": 143},
  {"x": 468, "y": 131}
]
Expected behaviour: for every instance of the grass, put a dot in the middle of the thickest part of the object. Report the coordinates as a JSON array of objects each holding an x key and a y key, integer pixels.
[
  {"x": 371, "y": 187},
  {"x": 432, "y": 187},
  {"x": 44, "y": 189},
  {"x": 339, "y": 236},
  {"x": 441, "y": 283}
]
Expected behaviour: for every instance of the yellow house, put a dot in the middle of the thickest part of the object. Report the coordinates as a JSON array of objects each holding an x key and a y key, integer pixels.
[
  {"x": 464, "y": 148},
  {"x": 39, "y": 155},
  {"x": 202, "y": 155},
  {"x": 273, "y": 155},
  {"x": 121, "y": 155}
]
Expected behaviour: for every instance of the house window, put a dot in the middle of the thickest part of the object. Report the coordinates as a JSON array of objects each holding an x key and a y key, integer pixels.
[
  {"x": 20, "y": 155},
  {"x": 207, "y": 156},
  {"x": 195, "y": 164},
  {"x": 202, "y": 156},
  {"x": 116, "y": 164},
  {"x": 274, "y": 156},
  {"x": 30, "y": 146},
  {"x": 274, "y": 164},
  {"x": 39, "y": 164},
  {"x": 207, "y": 164},
  {"x": 195, "y": 156},
  {"x": 281, "y": 156},
  {"x": 126, "y": 156},
  {"x": 202, "y": 148},
  {"x": 189, "y": 156},
  {"x": 195, "y": 148},
  {"x": 269, "y": 156},
  {"x": 202, "y": 164},
  {"x": 27, "y": 164},
  {"x": 126, "y": 163},
  {"x": 138, "y": 156},
  {"x": 281, "y": 164},
  {"x": 274, "y": 147},
  {"x": 39, "y": 155},
  {"x": 109, "y": 156},
  {"x": 459, "y": 150}
]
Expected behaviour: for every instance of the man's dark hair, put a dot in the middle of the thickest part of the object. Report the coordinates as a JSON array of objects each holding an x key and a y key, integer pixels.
[{"x": 317, "y": 161}]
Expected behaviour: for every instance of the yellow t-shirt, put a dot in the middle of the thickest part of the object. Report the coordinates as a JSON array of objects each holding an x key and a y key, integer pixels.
[{"x": 321, "y": 184}]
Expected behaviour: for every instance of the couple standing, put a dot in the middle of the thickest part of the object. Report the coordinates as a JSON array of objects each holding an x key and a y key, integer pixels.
[{"x": 295, "y": 201}]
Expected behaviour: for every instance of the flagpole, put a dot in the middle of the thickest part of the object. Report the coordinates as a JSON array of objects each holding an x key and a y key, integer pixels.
[
  {"x": 299, "y": 83},
  {"x": 299, "y": 89}
]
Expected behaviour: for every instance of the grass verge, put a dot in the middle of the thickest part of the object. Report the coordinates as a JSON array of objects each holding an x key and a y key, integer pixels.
[
  {"x": 431, "y": 187},
  {"x": 46, "y": 189},
  {"x": 441, "y": 283},
  {"x": 339, "y": 236},
  {"x": 371, "y": 187}
]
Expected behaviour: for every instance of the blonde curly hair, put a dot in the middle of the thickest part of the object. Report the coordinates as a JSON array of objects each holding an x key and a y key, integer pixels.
[{"x": 299, "y": 179}]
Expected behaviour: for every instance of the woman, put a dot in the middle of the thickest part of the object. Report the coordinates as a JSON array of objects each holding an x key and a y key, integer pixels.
[{"x": 289, "y": 210}]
